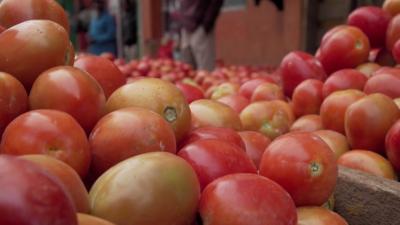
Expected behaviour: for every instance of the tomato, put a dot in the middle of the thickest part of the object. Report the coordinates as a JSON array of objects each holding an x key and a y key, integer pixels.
[
  {"x": 207, "y": 112},
  {"x": 30, "y": 196},
  {"x": 2, "y": 29},
  {"x": 368, "y": 120},
  {"x": 333, "y": 108},
  {"x": 13, "y": 99},
  {"x": 373, "y": 21},
  {"x": 304, "y": 165},
  {"x": 335, "y": 140},
  {"x": 35, "y": 57},
  {"x": 391, "y": 6},
  {"x": 392, "y": 145},
  {"x": 225, "y": 89},
  {"x": 190, "y": 92},
  {"x": 312, "y": 215},
  {"x": 255, "y": 145},
  {"x": 108, "y": 55},
  {"x": 397, "y": 102},
  {"x": 298, "y": 66},
  {"x": 86, "y": 219},
  {"x": 392, "y": 33},
  {"x": 226, "y": 199},
  {"x": 236, "y": 102},
  {"x": 13, "y": 12},
  {"x": 346, "y": 47},
  {"x": 48, "y": 132},
  {"x": 67, "y": 177},
  {"x": 271, "y": 118},
  {"x": 396, "y": 51},
  {"x": 344, "y": 79},
  {"x": 247, "y": 88},
  {"x": 213, "y": 158},
  {"x": 307, "y": 123},
  {"x": 71, "y": 90},
  {"x": 384, "y": 82},
  {"x": 220, "y": 133},
  {"x": 267, "y": 91},
  {"x": 104, "y": 71},
  {"x": 369, "y": 162},
  {"x": 307, "y": 97},
  {"x": 127, "y": 132},
  {"x": 157, "y": 95},
  {"x": 368, "y": 68},
  {"x": 142, "y": 189}
]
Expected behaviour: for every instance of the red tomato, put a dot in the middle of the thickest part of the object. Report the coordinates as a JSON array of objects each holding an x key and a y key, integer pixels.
[
  {"x": 13, "y": 12},
  {"x": 392, "y": 145},
  {"x": 247, "y": 88},
  {"x": 212, "y": 158},
  {"x": 29, "y": 195},
  {"x": 86, "y": 219},
  {"x": 299, "y": 66},
  {"x": 127, "y": 132},
  {"x": 71, "y": 90},
  {"x": 396, "y": 51},
  {"x": 108, "y": 55},
  {"x": 48, "y": 132},
  {"x": 220, "y": 133},
  {"x": 267, "y": 91},
  {"x": 392, "y": 6},
  {"x": 307, "y": 97},
  {"x": 34, "y": 57},
  {"x": 368, "y": 68},
  {"x": 67, "y": 176},
  {"x": 225, "y": 89},
  {"x": 255, "y": 143},
  {"x": 368, "y": 120},
  {"x": 369, "y": 162},
  {"x": 335, "y": 140},
  {"x": 333, "y": 108},
  {"x": 373, "y": 21},
  {"x": 2, "y": 29},
  {"x": 236, "y": 102},
  {"x": 393, "y": 32},
  {"x": 384, "y": 82},
  {"x": 346, "y": 47},
  {"x": 13, "y": 99},
  {"x": 307, "y": 123},
  {"x": 104, "y": 71},
  {"x": 142, "y": 189},
  {"x": 304, "y": 165},
  {"x": 344, "y": 79},
  {"x": 226, "y": 199},
  {"x": 190, "y": 92},
  {"x": 206, "y": 112},
  {"x": 310, "y": 215},
  {"x": 157, "y": 95}
]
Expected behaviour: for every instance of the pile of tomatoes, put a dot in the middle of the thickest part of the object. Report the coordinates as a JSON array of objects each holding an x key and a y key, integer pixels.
[{"x": 92, "y": 140}]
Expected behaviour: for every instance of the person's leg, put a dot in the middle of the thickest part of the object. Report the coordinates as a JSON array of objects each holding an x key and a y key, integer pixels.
[
  {"x": 203, "y": 46},
  {"x": 186, "y": 50}
]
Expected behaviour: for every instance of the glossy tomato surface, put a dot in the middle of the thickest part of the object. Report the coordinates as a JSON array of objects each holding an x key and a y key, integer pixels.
[
  {"x": 318, "y": 216},
  {"x": 226, "y": 199},
  {"x": 344, "y": 79},
  {"x": 304, "y": 165},
  {"x": 307, "y": 97},
  {"x": 255, "y": 143},
  {"x": 237, "y": 102},
  {"x": 392, "y": 145},
  {"x": 335, "y": 140},
  {"x": 386, "y": 83},
  {"x": 267, "y": 91},
  {"x": 391, "y": 6},
  {"x": 86, "y": 219},
  {"x": 307, "y": 123},
  {"x": 392, "y": 33},
  {"x": 48, "y": 132},
  {"x": 71, "y": 90},
  {"x": 190, "y": 92}
]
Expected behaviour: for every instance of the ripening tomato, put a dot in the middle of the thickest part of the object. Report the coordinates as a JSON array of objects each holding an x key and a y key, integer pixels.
[
  {"x": 384, "y": 82},
  {"x": 266, "y": 92},
  {"x": 35, "y": 56},
  {"x": 391, "y": 6},
  {"x": 311, "y": 215},
  {"x": 307, "y": 97},
  {"x": 299, "y": 66},
  {"x": 224, "y": 89},
  {"x": 368, "y": 120},
  {"x": 2, "y": 29},
  {"x": 71, "y": 90},
  {"x": 396, "y": 51},
  {"x": 335, "y": 140},
  {"x": 13, "y": 12},
  {"x": 368, "y": 68},
  {"x": 392, "y": 145},
  {"x": 226, "y": 200},
  {"x": 392, "y": 33},
  {"x": 48, "y": 132},
  {"x": 373, "y": 21},
  {"x": 248, "y": 87},
  {"x": 237, "y": 102},
  {"x": 104, "y": 71},
  {"x": 344, "y": 79},
  {"x": 309, "y": 123},
  {"x": 255, "y": 143},
  {"x": 191, "y": 92},
  {"x": 369, "y": 162},
  {"x": 344, "y": 47},
  {"x": 304, "y": 165},
  {"x": 86, "y": 219}
]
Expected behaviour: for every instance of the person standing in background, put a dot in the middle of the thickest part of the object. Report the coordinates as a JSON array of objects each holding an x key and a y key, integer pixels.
[
  {"x": 102, "y": 30},
  {"x": 198, "y": 18}
]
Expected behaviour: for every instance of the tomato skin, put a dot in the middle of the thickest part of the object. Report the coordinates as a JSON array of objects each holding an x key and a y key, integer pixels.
[
  {"x": 225, "y": 200},
  {"x": 392, "y": 33},
  {"x": 375, "y": 111},
  {"x": 373, "y": 21},
  {"x": 396, "y": 51},
  {"x": 224, "y": 89},
  {"x": 267, "y": 92},
  {"x": 255, "y": 143},
  {"x": 335, "y": 140},
  {"x": 307, "y": 97},
  {"x": 304, "y": 165},
  {"x": 318, "y": 216},
  {"x": 32, "y": 196},
  {"x": 369, "y": 162},
  {"x": 236, "y": 102},
  {"x": 248, "y": 87},
  {"x": 344, "y": 47},
  {"x": 104, "y": 71},
  {"x": 13, "y": 12},
  {"x": 28, "y": 62},
  {"x": 86, "y": 219},
  {"x": 298, "y": 66},
  {"x": 308, "y": 123},
  {"x": 71, "y": 90},
  {"x": 392, "y": 145},
  {"x": 190, "y": 92},
  {"x": 391, "y": 6},
  {"x": 2, "y": 29},
  {"x": 385, "y": 83},
  {"x": 212, "y": 158},
  {"x": 368, "y": 68},
  {"x": 49, "y": 132},
  {"x": 344, "y": 79}
]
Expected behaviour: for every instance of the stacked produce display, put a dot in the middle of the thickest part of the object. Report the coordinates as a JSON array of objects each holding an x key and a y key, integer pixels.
[{"x": 94, "y": 140}]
